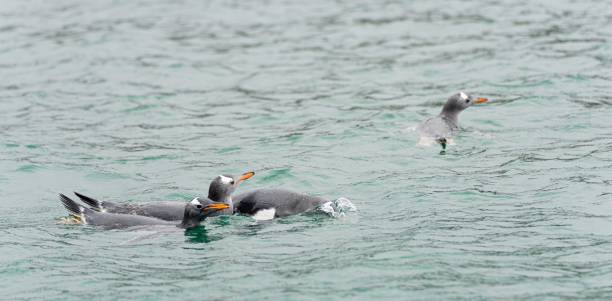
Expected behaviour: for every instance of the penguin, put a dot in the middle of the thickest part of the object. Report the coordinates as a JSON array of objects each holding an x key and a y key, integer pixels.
[
  {"x": 441, "y": 128},
  {"x": 266, "y": 204},
  {"x": 220, "y": 190},
  {"x": 194, "y": 213}
]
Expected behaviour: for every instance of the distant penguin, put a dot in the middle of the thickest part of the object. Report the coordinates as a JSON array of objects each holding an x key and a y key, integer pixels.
[{"x": 441, "y": 128}]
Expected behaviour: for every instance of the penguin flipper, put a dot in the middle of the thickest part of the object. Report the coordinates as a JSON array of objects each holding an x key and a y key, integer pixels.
[
  {"x": 93, "y": 203},
  {"x": 77, "y": 211}
]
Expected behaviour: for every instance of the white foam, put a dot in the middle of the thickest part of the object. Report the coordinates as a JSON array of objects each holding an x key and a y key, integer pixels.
[
  {"x": 345, "y": 205},
  {"x": 426, "y": 141},
  {"x": 328, "y": 208},
  {"x": 265, "y": 214},
  {"x": 338, "y": 208}
]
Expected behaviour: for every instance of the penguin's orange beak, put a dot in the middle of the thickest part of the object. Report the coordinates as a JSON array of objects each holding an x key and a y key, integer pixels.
[
  {"x": 480, "y": 100},
  {"x": 246, "y": 176},
  {"x": 217, "y": 206}
]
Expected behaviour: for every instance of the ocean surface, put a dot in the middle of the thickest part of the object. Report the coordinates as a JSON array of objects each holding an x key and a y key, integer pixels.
[{"x": 150, "y": 100}]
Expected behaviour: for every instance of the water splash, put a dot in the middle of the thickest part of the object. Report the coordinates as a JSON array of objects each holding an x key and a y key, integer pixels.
[{"x": 338, "y": 207}]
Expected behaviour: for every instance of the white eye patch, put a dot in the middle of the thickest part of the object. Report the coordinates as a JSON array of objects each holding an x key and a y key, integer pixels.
[
  {"x": 463, "y": 95},
  {"x": 195, "y": 201},
  {"x": 225, "y": 180}
]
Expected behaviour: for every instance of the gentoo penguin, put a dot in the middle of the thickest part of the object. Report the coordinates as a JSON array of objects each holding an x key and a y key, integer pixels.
[
  {"x": 264, "y": 204},
  {"x": 220, "y": 190},
  {"x": 442, "y": 127},
  {"x": 194, "y": 213}
]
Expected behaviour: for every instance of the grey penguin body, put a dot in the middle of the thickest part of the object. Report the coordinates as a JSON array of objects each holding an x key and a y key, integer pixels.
[
  {"x": 220, "y": 190},
  {"x": 120, "y": 220},
  {"x": 194, "y": 212},
  {"x": 438, "y": 127},
  {"x": 168, "y": 211},
  {"x": 284, "y": 202}
]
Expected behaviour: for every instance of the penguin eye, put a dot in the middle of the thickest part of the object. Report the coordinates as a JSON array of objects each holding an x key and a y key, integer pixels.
[
  {"x": 467, "y": 101},
  {"x": 199, "y": 206},
  {"x": 232, "y": 182}
]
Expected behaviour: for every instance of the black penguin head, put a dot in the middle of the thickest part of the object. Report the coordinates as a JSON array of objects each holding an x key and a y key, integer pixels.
[
  {"x": 199, "y": 209},
  {"x": 222, "y": 187},
  {"x": 459, "y": 102}
]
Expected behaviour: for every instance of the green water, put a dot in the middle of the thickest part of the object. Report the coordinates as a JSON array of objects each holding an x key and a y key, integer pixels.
[{"x": 149, "y": 100}]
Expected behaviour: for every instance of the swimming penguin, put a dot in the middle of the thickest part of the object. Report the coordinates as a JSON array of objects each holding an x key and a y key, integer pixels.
[
  {"x": 220, "y": 190},
  {"x": 265, "y": 204},
  {"x": 442, "y": 127},
  {"x": 194, "y": 213}
]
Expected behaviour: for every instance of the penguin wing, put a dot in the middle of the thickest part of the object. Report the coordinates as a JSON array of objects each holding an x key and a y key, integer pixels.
[{"x": 103, "y": 206}]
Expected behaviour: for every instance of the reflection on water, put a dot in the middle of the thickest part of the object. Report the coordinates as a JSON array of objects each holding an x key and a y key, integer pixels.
[{"x": 199, "y": 235}]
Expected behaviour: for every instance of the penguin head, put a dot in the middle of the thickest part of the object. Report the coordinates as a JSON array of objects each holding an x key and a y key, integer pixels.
[
  {"x": 200, "y": 208},
  {"x": 222, "y": 187},
  {"x": 459, "y": 102}
]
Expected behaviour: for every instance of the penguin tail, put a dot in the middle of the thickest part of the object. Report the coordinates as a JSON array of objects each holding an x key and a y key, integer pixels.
[
  {"x": 77, "y": 212},
  {"x": 93, "y": 203},
  {"x": 442, "y": 142}
]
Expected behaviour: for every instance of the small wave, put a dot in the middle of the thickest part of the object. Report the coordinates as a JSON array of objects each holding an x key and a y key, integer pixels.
[
  {"x": 338, "y": 207},
  {"x": 484, "y": 134},
  {"x": 412, "y": 128}
]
